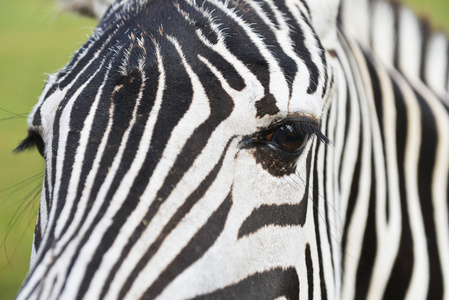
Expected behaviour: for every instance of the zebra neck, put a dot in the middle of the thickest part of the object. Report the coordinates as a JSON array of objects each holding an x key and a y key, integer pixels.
[{"x": 401, "y": 41}]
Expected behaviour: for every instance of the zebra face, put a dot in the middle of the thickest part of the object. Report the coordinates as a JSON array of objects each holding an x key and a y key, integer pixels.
[{"x": 178, "y": 146}]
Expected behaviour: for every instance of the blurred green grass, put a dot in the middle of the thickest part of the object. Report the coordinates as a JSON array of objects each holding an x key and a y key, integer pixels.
[{"x": 35, "y": 40}]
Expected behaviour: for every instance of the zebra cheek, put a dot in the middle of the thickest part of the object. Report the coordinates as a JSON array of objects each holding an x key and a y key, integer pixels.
[{"x": 254, "y": 184}]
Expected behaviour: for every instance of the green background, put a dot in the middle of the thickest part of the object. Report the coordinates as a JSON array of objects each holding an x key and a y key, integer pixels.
[{"x": 36, "y": 39}]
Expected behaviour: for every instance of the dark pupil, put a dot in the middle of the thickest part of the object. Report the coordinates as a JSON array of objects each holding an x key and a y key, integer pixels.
[{"x": 289, "y": 139}]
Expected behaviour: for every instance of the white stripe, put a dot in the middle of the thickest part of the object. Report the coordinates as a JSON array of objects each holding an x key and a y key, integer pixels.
[
  {"x": 420, "y": 275},
  {"x": 349, "y": 157},
  {"x": 328, "y": 273},
  {"x": 383, "y": 34},
  {"x": 436, "y": 66},
  {"x": 409, "y": 44},
  {"x": 334, "y": 219},
  {"x": 357, "y": 225},
  {"x": 331, "y": 260},
  {"x": 356, "y": 15},
  {"x": 388, "y": 232}
]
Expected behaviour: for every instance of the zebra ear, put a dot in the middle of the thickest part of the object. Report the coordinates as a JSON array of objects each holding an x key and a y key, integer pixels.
[
  {"x": 324, "y": 19},
  {"x": 91, "y": 8}
]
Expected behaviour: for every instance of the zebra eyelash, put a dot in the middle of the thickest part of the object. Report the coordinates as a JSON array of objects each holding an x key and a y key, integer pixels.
[
  {"x": 288, "y": 136},
  {"x": 305, "y": 125},
  {"x": 34, "y": 139}
]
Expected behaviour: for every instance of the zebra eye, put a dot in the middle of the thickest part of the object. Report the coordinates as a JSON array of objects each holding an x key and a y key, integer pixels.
[
  {"x": 278, "y": 147},
  {"x": 288, "y": 138}
]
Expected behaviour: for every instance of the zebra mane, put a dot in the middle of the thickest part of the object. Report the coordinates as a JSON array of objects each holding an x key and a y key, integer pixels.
[{"x": 401, "y": 40}]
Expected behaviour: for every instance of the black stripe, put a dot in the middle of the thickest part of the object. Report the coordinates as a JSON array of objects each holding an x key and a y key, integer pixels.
[
  {"x": 402, "y": 270},
  {"x": 378, "y": 102},
  {"x": 317, "y": 197},
  {"x": 309, "y": 266},
  {"x": 426, "y": 165},
  {"x": 446, "y": 78},
  {"x": 276, "y": 215},
  {"x": 267, "y": 285},
  {"x": 48, "y": 199},
  {"x": 425, "y": 34},
  {"x": 348, "y": 110},
  {"x": 280, "y": 215},
  {"x": 326, "y": 87},
  {"x": 37, "y": 239},
  {"x": 369, "y": 246},
  {"x": 198, "y": 245},
  {"x": 328, "y": 204},
  {"x": 37, "y": 117},
  {"x": 396, "y": 6}
]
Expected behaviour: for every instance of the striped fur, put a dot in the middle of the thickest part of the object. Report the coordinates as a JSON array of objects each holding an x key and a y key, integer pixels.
[
  {"x": 160, "y": 180},
  {"x": 401, "y": 40}
]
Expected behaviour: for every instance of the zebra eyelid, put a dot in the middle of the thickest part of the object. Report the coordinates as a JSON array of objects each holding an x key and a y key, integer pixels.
[{"x": 307, "y": 125}]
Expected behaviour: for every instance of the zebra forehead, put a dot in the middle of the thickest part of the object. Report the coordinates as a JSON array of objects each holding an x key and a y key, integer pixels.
[{"x": 217, "y": 44}]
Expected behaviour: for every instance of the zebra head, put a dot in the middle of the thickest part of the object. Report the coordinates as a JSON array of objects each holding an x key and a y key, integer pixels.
[{"x": 179, "y": 146}]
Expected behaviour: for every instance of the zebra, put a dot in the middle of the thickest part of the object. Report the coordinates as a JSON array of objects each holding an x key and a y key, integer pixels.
[{"x": 245, "y": 149}]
